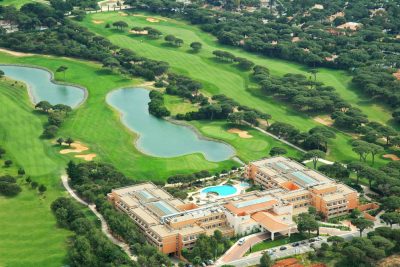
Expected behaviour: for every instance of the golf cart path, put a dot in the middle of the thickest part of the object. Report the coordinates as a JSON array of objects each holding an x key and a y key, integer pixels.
[{"x": 104, "y": 227}]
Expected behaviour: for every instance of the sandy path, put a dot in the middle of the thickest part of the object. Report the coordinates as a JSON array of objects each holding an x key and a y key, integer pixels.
[
  {"x": 241, "y": 133},
  {"x": 391, "y": 156},
  {"x": 15, "y": 53}
]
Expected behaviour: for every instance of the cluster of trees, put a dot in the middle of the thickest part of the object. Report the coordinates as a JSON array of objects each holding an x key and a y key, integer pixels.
[
  {"x": 242, "y": 63},
  {"x": 35, "y": 185},
  {"x": 156, "y": 105},
  {"x": 360, "y": 251},
  {"x": 65, "y": 38},
  {"x": 151, "y": 32},
  {"x": 9, "y": 186},
  {"x": 380, "y": 84},
  {"x": 56, "y": 116},
  {"x": 172, "y": 40},
  {"x": 93, "y": 181},
  {"x": 370, "y": 52},
  {"x": 88, "y": 247},
  {"x": 188, "y": 178},
  {"x": 207, "y": 248},
  {"x": 316, "y": 138}
]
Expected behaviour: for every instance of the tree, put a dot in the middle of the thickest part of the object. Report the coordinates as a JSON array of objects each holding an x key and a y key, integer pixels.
[
  {"x": 34, "y": 185},
  {"x": 387, "y": 132},
  {"x": 21, "y": 171},
  {"x": 391, "y": 218},
  {"x": 50, "y": 131},
  {"x": 60, "y": 141},
  {"x": 266, "y": 261},
  {"x": 307, "y": 223},
  {"x": 356, "y": 167},
  {"x": 42, "y": 188},
  {"x": 375, "y": 149},
  {"x": 178, "y": 42},
  {"x": 362, "y": 224},
  {"x": 314, "y": 155},
  {"x": 196, "y": 46},
  {"x": 69, "y": 141},
  {"x": 276, "y": 151},
  {"x": 391, "y": 203},
  {"x": 235, "y": 118},
  {"x": 62, "y": 69},
  {"x": 8, "y": 163},
  {"x": 120, "y": 25},
  {"x": 362, "y": 148},
  {"x": 44, "y": 105},
  {"x": 170, "y": 38},
  {"x": 2, "y": 152},
  {"x": 111, "y": 63},
  {"x": 1, "y": 74}
]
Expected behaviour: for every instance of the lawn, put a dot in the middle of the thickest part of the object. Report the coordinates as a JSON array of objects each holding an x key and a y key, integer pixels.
[
  {"x": 17, "y": 3},
  {"x": 279, "y": 241},
  {"x": 29, "y": 235},
  {"x": 224, "y": 78}
]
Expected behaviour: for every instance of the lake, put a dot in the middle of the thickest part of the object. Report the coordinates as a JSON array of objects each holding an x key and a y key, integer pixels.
[
  {"x": 160, "y": 137},
  {"x": 41, "y": 87}
]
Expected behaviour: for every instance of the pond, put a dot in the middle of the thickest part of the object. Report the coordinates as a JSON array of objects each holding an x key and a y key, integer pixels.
[
  {"x": 159, "y": 137},
  {"x": 41, "y": 87}
]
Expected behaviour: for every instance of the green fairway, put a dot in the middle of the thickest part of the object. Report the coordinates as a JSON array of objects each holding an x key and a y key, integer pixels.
[
  {"x": 29, "y": 235},
  {"x": 224, "y": 78}
]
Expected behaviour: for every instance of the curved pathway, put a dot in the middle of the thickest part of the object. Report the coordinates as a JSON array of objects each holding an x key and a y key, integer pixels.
[{"x": 104, "y": 227}]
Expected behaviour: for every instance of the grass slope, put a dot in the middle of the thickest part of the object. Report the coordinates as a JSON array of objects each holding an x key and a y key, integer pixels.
[
  {"x": 224, "y": 78},
  {"x": 29, "y": 235}
]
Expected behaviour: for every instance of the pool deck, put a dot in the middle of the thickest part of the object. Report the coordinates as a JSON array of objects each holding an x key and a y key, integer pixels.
[{"x": 200, "y": 197}]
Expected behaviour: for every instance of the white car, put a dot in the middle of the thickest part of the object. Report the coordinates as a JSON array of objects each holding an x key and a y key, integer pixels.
[{"x": 241, "y": 241}]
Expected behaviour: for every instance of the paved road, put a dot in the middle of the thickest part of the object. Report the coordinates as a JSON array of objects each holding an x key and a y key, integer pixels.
[
  {"x": 254, "y": 258},
  {"x": 275, "y": 137},
  {"x": 104, "y": 227},
  {"x": 236, "y": 252}
]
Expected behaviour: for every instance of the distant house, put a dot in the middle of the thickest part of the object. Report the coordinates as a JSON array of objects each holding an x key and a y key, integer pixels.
[{"x": 350, "y": 26}]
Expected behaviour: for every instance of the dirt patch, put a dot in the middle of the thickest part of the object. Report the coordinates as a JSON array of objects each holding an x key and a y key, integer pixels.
[
  {"x": 153, "y": 20},
  {"x": 14, "y": 53},
  {"x": 241, "y": 133},
  {"x": 397, "y": 74},
  {"x": 390, "y": 261},
  {"x": 324, "y": 120},
  {"x": 87, "y": 157},
  {"x": 97, "y": 21},
  {"x": 123, "y": 14},
  {"x": 391, "y": 156},
  {"x": 140, "y": 32},
  {"x": 76, "y": 147}
]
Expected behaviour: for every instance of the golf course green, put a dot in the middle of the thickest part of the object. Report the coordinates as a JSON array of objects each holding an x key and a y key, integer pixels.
[{"x": 223, "y": 78}]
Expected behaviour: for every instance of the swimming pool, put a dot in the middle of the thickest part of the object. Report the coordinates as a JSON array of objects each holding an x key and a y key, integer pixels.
[{"x": 221, "y": 190}]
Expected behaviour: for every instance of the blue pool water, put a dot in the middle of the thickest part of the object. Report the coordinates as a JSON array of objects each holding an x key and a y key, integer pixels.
[{"x": 221, "y": 190}]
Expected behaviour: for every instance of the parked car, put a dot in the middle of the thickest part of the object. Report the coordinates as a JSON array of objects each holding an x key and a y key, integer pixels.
[
  {"x": 273, "y": 250},
  {"x": 311, "y": 240},
  {"x": 241, "y": 241},
  {"x": 318, "y": 238},
  {"x": 203, "y": 264},
  {"x": 303, "y": 242},
  {"x": 210, "y": 262},
  {"x": 283, "y": 248},
  {"x": 295, "y": 244}
]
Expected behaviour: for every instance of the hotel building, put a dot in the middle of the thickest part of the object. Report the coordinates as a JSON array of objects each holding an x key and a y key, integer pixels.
[
  {"x": 171, "y": 224},
  {"x": 303, "y": 187}
]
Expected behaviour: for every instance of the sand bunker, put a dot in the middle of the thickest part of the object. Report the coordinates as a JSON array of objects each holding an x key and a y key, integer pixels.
[
  {"x": 140, "y": 32},
  {"x": 123, "y": 14},
  {"x": 324, "y": 120},
  {"x": 76, "y": 147},
  {"x": 97, "y": 21},
  {"x": 14, "y": 53},
  {"x": 391, "y": 156},
  {"x": 87, "y": 157},
  {"x": 153, "y": 20},
  {"x": 241, "y": 133}
]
